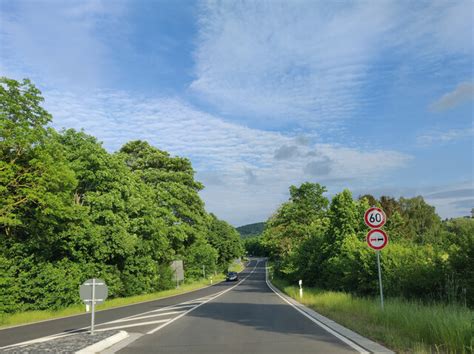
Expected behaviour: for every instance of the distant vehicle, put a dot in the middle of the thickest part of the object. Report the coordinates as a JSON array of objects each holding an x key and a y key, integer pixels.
[{"x": 232, "y": 276}]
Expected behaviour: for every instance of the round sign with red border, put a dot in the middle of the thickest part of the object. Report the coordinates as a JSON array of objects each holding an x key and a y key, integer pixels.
[
  {"x": 375, "y": 218},
  {"x": 377, "y": 239}
]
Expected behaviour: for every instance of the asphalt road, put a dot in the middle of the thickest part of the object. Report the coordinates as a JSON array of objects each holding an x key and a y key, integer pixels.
[
  {"x": 33, "y": 331},
  {"x": 240, "y": 317},
  {"x": 248, "y": 318}
]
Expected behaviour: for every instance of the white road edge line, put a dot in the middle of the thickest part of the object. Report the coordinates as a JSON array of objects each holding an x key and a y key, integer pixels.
[
  {"x": 132, "y": 325},
  {"x": 79, "y": 330},
  {"x": 109, "y": 309},
  {"x": 320, "y": 324},
  {"x": 141, "y": 317},
  {"x": 39, "y": 340},
  {"x": 205, "y": 302}
]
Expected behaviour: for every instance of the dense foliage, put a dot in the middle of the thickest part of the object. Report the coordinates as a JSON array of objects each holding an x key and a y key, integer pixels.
[
  {"x": 70, "y": 210},
  {"x": 323, "y": 243},
  {"x": 251, "y": 230}
]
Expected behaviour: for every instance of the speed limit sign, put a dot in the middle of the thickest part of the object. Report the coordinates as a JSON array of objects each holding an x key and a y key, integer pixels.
[{"x": 374, "y": 218}]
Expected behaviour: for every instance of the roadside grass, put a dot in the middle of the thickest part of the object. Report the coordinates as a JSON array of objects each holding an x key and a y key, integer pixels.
[
  {"x": 19, "y": 318},
  {"x": 236, "y": 267},
  {"x": 404, "y": 326}
]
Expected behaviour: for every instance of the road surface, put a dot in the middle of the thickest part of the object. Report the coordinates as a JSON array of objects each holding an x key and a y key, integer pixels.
[
  {"x": 242, "y": 317},
  {"x": 249, "y": 318}
]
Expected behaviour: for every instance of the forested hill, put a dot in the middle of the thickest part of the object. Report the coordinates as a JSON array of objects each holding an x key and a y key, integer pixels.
[
  {"x": 70, "y": 211},
  {"x": 251, "y": 230}
]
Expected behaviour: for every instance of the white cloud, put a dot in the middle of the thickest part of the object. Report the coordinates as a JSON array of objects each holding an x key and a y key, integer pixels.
[
  {"x": 444, "y": 136},
  {"x": 57, "y": 44},
  {"x": 452, "y": 200},
  {"x": 310, "y": 62},
  {"x": 464, "y": 92},
  {"x": 286, "y": 152},
  {"x": 306, "y": 63},
  {"x": 237, "y": 163},
  {"x": 284, "y": 61}
]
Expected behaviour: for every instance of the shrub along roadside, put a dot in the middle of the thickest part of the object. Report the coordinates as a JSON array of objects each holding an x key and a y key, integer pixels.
[
  {"x": 404, "y": 326},
  {"x": 35, "y": 316}
]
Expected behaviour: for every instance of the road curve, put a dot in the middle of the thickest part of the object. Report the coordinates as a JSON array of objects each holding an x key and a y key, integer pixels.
[{"x": 247, "y": 318}]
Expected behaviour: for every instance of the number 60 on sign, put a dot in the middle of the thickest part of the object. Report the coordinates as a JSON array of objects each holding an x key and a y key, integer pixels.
[{"x": 375, "y": 218}]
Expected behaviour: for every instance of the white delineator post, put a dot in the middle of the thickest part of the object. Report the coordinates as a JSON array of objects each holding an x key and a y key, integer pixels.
[
  {"x": 301, "y": 288},
  {"x": 93, "y": 306}
]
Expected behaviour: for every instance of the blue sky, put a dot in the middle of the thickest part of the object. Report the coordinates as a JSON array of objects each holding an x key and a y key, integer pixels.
[{"x": 374, "y": 96}]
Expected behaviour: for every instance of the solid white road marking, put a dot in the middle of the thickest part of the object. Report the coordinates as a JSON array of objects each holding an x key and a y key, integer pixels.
[
  {"x": 39, "y": 340},
  {"x": 133, "y": 325},
  {"x": 178, "y": 306},
  {"x": 141, "y": 317},
  {"x": 320, "y": 324},
  {"x": 174, "y": 307}
]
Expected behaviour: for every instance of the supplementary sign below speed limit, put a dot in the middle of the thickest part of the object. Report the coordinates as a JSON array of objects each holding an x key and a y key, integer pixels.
[
  {"x": 377, "y": 239},
  {"x": 374, "y": 218}
]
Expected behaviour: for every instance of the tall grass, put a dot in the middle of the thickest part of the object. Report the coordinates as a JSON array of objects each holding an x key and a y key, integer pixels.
[
  {"x": 405, "y": 326},
  {"x": 236, "y": 267},
  {"x": 35, "y": 316}
]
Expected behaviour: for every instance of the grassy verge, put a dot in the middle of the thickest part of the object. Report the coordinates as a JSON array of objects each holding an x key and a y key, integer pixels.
[
  {"x": 34, "y": 316},
  {"x": 236, "y": 267},
  {"x": 404, "y": 326}
]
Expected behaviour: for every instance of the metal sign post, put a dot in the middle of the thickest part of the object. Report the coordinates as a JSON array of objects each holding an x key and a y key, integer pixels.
[
  {"x": 376, "y": 239},
  {"x": 380, "y": 278},
  {"x": 93, "y": 292}
]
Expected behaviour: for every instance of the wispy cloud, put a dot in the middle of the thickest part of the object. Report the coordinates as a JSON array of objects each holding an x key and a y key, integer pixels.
[
  {"x": 229, "y": 157},
  {"x": 456, "y": 193},
  {"x": 453, "y": 200},
  {"x": 464, "y": 92},
  {"x": 286, "y": 152},
  {"x": 57, "y": 44},
  {"x": 465, "y": 205},
  {"x": 310, "y": 62},
  {"x": 444, "y": 137},
  {"x": 306, "y": 65}
]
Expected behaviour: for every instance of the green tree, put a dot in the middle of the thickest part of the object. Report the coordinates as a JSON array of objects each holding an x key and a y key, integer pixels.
[
  {"x": 226, "y": 240},
  {"x": 460, "y": 254},
  {"x": 390, "y": 205},
  {"x": 198, "y": 255},
  {"x": 370, "y": 199},
  {"x": 172, "y": 179},
  {"x": 346, "y": 226},
  {"x": 294, "y": 223},
  {"x": 33, "y": 174},
  {"x": 422, "y": 225},
  {"x": 254, "y": 246}
]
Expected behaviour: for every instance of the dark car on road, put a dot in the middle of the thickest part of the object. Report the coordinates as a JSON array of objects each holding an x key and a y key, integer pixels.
[{"x": 232, "y": 276}]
